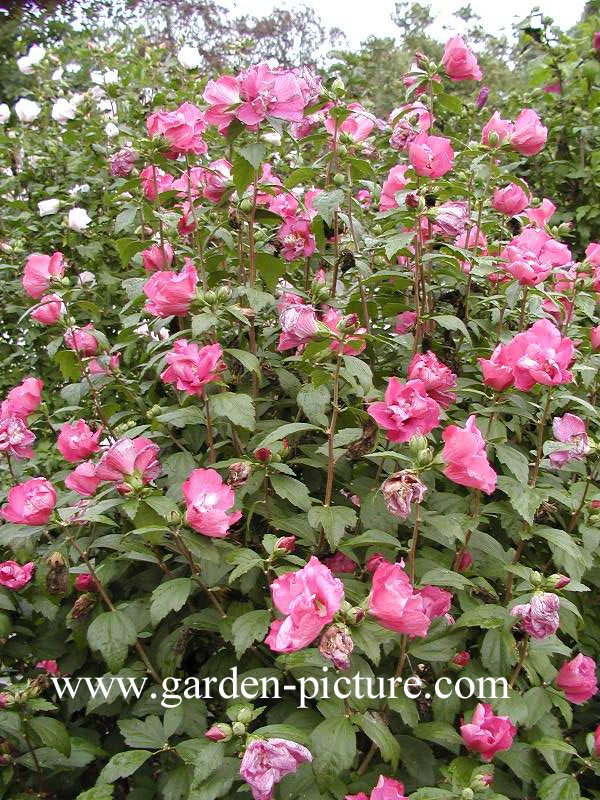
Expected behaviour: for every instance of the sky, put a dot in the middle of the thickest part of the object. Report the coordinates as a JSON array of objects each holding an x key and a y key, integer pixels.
[{"x": 361, "y": 18}]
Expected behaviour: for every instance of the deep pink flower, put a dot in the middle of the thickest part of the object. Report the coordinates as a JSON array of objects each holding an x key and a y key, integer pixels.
[
  {"x": 358, "y": 125},
  {"x": 267, "y": 92},
  {"x": 77, "y": 442},
  {"x": 462, "y": 659},
  {"x": 159, "y": 256},
  {"x": 298, "y": 325},
  {"x": 217, "y": 177},
  {"x": 14, "y": 576},
  {"x": 592, "y": 254},
  {"x": 221, "y": 95},
  {"x": 405, "y": 321},
  {"x": 596, "y": 42},
  {"x": 486, "y": 733},
  {"x": 401, "y": 490},
  {"x": 30, "y": 503},
  {"x": 296, "y": 238},
  {"x": 437, "y": 378},
  {"x": 83, "y": 479},
  {"x": 459, "y": 61},
  {"x": 394, "y": 602},
  {"x": 209, "y": 500},
  {"x": 511, "y": 200},
  {"x": 182, "y": 128},
  {"x": 539, "y": 617},
  {"x": 340, "y": 562},
  {"x": 595, "y": 337},
  {"x": 155, "y": 181},
  {"x": 129, "y": 462},
  {"x": 267, "y": 761},
  {"x": 395, "y": 182},
  {"x": 309, "y": 598},
  {"x": 571, "y": 430},
  {"x": 41, "y": 271},
  {"x": 191, "y": 367},
  {"x": 23, "y": 400},
  {"x": 15, "y": 437},
  {"x": 171, "y": 292},
  {"x": 501, "y": 127},
  {"x": 406, "y": 411},
  {"x": 528, "y": 136},
  {"x": 85, "y": 583},
  {"x": 374, "y": 561},
  {"x": 466, "y": 460},
  {"x": 104, "y": 365},
  {"x": 82, "y": 340},
  {"x": 49, "y": 665},
  {"x": 50, "y": 309},
  {"x": 541, "y": 215},
  {"x": 286, "y": 543},
  {"x": 431, "y": 156},
  {"x": 388, "y": 789},
  {"x": 577, "y": 679}
]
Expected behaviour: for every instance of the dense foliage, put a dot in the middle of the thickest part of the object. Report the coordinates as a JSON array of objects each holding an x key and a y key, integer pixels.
[{"x": 302, "y": 392}]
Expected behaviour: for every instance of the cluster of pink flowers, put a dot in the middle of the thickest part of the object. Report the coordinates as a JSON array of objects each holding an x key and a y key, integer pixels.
[{"x": 532, "y": 255}]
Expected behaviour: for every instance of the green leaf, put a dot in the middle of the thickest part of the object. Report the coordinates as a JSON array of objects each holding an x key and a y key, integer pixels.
[
  {"x": 315, "y": 402},
  {"x": 439, "y": 732},
  {"x": 248, "y": 360},
  {"x": 237, "y": 408},
  {"x": 334, "y": 747},
  {"x": 292, "y": 490},
  {"x": 127, "y": 248},
  {"x": 497, "y": 651},
  {"x": 334, "y": 520},
  {"x": 397, "y": 242},
  {"x": 379, "y": 733},
  {"x": 514, "y": 460},
  {"x": 242, "y": 173},
  {"x": 445, "y": 577},
  {"x": 122, "y": 765},
  {"x": 97, "y": 793},
  {"x": 523, "y": 498},
  {"x": 486, "y": 616},
  {"x": 147, "y": 733},
  {"x": 451, "y": 323},
  {"x": 52, "y": 733},
  {"x": 169, "y": 596},
  {"x": 283, "y": 431},
  {"x": 254, "y": 153},
  {"x": 327, "y": 203},
  {"x": 112, "y": 633},
  {"x": 559, "y": 787},
  {"x": 126, "y": 219},
  {"x": 249, "y": 628}
]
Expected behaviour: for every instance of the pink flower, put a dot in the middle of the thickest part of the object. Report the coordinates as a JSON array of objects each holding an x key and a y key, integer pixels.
[
  {"x": 208, "y": 502},
  {"x": 592, "y": 254},
  {"x": 41, "y": 272},
  {"x": 354, "y": 344},
  {"x": 539, "y": 617},
  {"x": 30, "y": 503},
  {"x": 486, "y": 733},
  {"x": 217, "y": 177},
  {"x": 436, "y": 602},
  {"x": 431, "y": 156},
  {"x": 49, "y": 665},
  {"x": 182, "y": 128},
  {"x": 15, "y": 438},
  {"x": 23, "y": 400},
  {"x": 577, "y": 679},
  {"x": 340, "y": 562},
  {"x": 267, "y": 761},
  {"x": 129, "y": 463},
  {"x": 482, "y": 97},
  {"x": 359, "y": 796},
  {"x": 358, "y": 125},
  {"x": 406, "y": 411},
  {"x": 466, "y": 460},
  {"x": 309, "y": 598},
  {"x": 374, "y": 561},
  {"x": 82, "y": 340},
  {"x": 497, "y": 370},
  {"x": 83, "y": 479},
  {"x": 528, "y": 136},
  {"x": 388, "y": 789},
  {"x": 219, "y": 732},
  {"x": 158, "y": 257},
  {"x": 459, "y": 62},
  {"x": 221, "y": 95},
  {"x": 395, "y": 182},
  {"x": 171, "y": 292},
  {"x": 336, "y": 645},
  {"x": 511, "y": 200},
  {"x": 541, "y": 216},
  {"x": 595, "y": 337},
  {"x": 364, "y": 198},
  {"x": 437, "y": 378},
  {"x": 77, "y": 442},
  {"x": 298, "y": 325},
  {"x": 14, "y": 576},
  {"x": 569, "y": 429},
  {"x": 50, "y": 309},
  {"x": 451, "y": 218},
  {"x": 296, "y": 238},
  {"x": 191, "y": 367},
  {"x": 596, "y": 42},
  {"x": 155, "y": 181},
  {"x": 533, "y": 254},
  {"x": 394, "y": 602},
  {"x": 104, "y": 365},
  {"x": 85, "y": 583},
  {"x": 501, "y": 127},
  {"x": 401, "y": 490},
  {"x": 121, "y": 163},
  {"x": 466, "y": 561},
  {"x": 405, "y": 321},
  {"x": 267, "y": 92},
  {"x": 540, "y": 355}
]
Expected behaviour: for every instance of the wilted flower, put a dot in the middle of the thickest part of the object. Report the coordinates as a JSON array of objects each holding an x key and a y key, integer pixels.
[
  {"x": 336, "y": 645},
  {"x": 238, "y": 473},
  {"x": 267, "y": 761},
  {"x": 401, "y": 490},
  {"x": 121, "y": 163},
  {"x": 539, "y": 617}
]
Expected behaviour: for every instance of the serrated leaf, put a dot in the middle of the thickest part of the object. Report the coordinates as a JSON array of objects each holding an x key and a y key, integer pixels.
[
  {"x": 249, "y": 628},
  {"x": 169, "y": 596},
  {"x": 379, "y": 733},
  {"x": 112, "y": 633},
  {"x": 334, "y": 520},
  {"x": 237, "y": 408},
  {"x": 292, "y": 490},
  {"x": 122, "y": 765},
  {"x": 52, "y": 733}
]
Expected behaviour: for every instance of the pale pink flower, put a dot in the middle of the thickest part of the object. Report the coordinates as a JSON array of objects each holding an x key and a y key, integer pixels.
[
  {"x": 217, "y": 177},
  {"x": 209, "y": 501},
  {"x": 541, "y": 215},
  {"x": 358, "y": 125},
  {"x": 501, "y": 127},
  {"x": 388, "y": 789},
  {"x": 511, "y": 200},
  {"x": 23, "y": 400},
  {"x": 571, "y": 430},
  {"x": 405, "y": 321},
  {"x": 298, "y": 326},
  {"x": 15, "y": 438},
  {"x": 355, "y": 343}
]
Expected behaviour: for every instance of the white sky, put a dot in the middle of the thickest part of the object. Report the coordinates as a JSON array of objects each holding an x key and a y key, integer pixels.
[{"x": 360, "y": 18}]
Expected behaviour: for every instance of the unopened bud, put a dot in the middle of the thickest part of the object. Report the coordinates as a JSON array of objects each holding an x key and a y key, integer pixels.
[
  {"x": 263, "y": 454},
  {"x": 536, "y": 578},
  {"x": 210, "y": 297},
  {"x": 493, "y": 139},
  {"x": 221, "y": 732},
  {"x": 461, "y": 659},
  {"x": 238, "y": 729},
  {"x": 154, "y": 411},
  {"x": 224, "y": 294},
  {"x": 417, "y": 444},
  {"x": 557, "y": 581},
  {"x": 286, "y": 544},
  {"x": 482, "y": 781},
  {"x": 338, "y": 88},
  {"x": 467, "y": 794},
  {"x": 244, "y": 716}
]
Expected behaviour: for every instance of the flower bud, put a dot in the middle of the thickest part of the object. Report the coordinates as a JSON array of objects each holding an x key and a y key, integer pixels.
[
  {"x": 482, "y": 97},
  {"x": 339, "y": 179},
  {"x": 461, "y": 659},
  {"x": 210, "y": 297},
  {"x": 557, "y": 581},
  {"x": 424, "y": 457},
  {"x": 246, "y": 206},
  {"x": 338, "y": 88},
  {"x": 221, "y": 732},
  {"x": 286, "y": 544},
  {"x": 244, "y": 716},
  {"x": 466, "y": 561},
  {"x": 536, "y": 578},
  {"x": 238, "y": 473},
  {"x": 224, "y": 294},
  {"x": 348, "y": 324},
  {"x": 356, "y": 615},
  {"x": 263, "y": 454},
  {"x": 374, "y": 561},
  {"x": 416, "y": 444},
  {"x": 238, "y": 729},
  {"x": 493, "y": 139},
  {"x": 482, "y": 781},
  {"x": 154, "y": 411},
  {"x": 467, "y": 794}
]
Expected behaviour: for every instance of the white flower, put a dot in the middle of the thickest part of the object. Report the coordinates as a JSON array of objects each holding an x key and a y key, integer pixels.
[
  {"x": 63, "y": 110},
  {"x": 104, "y": 78},
  {"x": 86, "y": 279},
  {"x": 111, "y": 130},
  {"x": 27, "y": 110},
  {"x": 71, "y": 67},
  {"x": 108, "y": 107},
  {"x": 77, "y": 99},
  {"x": 47, "y": 207},
  {"x": 58, "y": 73},
  {"x": 4, "y": 113},
  {"x": 78, "y": 219},
  {"x": 26, "y": 63},
  {"x": 79, "y": 188},
  {"x": 189, "y": 57}
]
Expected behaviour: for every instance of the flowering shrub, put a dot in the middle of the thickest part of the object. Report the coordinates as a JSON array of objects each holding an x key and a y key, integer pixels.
[{"x": 295, "y": 391}]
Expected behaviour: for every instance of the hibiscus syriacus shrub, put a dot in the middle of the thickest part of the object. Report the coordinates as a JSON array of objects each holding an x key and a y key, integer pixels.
[{"x": 303, "y": 393}]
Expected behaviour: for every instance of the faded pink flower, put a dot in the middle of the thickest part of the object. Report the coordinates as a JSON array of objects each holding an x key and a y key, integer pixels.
[
  {"x": 298, "y": 325},
  {"x": 208, "y": 503},
  {"x": 30, "y": 503},
  {"x": 309, "y": 598},
  {"x": 539, "y": 617},
  {"x": 406, "y": 411},
  {"x": 571, "y": 430},
  {"x": 577, "y": 679},
  {"x": 77, "y": 442},
  {"x": 459, "y": 61},
  {"x": 122, "y": 162},
  {"x": 408, "y": 122},
  {"x": 267, "y": 761},
  {"x": 466, "y": 459},
  {"x": 487, "y": 733},
  {"x": 217, "y": 177},
  {"x": 14, "y": 576},
  {"x": 336, "y": 645},
  {"x": 41, "y": 271},
  {"x": 401, "y": 490},
  {"x": 405, "y": 321}
]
